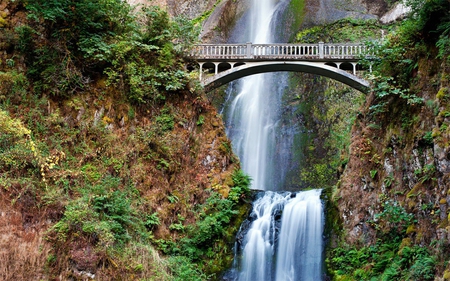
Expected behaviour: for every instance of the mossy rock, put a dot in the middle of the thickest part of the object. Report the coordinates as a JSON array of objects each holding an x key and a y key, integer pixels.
[
  {"x": 443, "y": 94},
  {"x": 3, "y": 22},
  {"x": 344, "y": 278},
  {"x": 406, "y": 242},
  {"x": 446, "y": 275},
  {"x": 415, "y": 191},
  {"x": 410, "y": 229},
  {"x": 443, "y": 224}
]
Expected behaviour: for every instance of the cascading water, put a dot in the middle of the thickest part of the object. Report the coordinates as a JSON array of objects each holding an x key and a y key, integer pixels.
[
  {"x": 284, "y": 239},
  {"x": 299, "y": 255},
  {"x": 287, "y": 253},
  {"x": 251, "y": 118}
]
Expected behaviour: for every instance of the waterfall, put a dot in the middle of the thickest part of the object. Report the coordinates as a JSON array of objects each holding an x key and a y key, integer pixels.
[
  {"x": 251, "y": 117},
  {"x": 259, "y": 240},
  {"x": 282, "y": 240},
  {"x": 299, "y": 255}
]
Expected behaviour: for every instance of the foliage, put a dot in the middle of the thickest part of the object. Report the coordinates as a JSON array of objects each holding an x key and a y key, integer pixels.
[
  {"x": 207, "y": 235},
  {"x": 66, "y": 37},
  {"x": 13, "y": 83},
  {"x": 428, "y": 172},
  {"x": 152, "y": 221},
  {"x": 103, "y": 213},
  {"x": 206, "y": 14},
  {"x": 214, "y": 216},
  {"x": 184, "y": 270},
  {"x": 17, "y": 150},
  {"x": 428, "y": 24},
  {"x": 344, "y": 30},
  {"x": 432, "y": 18},
  {"x": 386, "y": 91},
  {"x": 84, "y": 26},
  {"x": 386, "y": 260},
  {"x": 102, "y": 194},
  {"x": 241, "y": 186},
  {"x": 70, "y": 42},
  {"x": 394, "y": 216},
  {"x": 165, "y": 121},
  {"x": 150, "y": 59}
]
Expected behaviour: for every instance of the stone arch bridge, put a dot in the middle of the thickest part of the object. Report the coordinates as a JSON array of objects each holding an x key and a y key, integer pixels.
[{"x": 227, "y": 62}]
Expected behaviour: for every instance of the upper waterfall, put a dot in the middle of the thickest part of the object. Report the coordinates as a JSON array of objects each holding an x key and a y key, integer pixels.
[{"x": 254, "y": 111}]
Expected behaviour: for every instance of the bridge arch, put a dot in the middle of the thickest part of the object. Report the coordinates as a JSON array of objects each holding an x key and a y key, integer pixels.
[{"x": 319, "y": 68}]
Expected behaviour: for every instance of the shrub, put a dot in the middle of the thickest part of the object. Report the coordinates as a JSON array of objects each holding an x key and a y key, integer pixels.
[
  {"x": 68, "y": 41},
  {"x": 165, "y": 121},
  {"x": 102, "y": 214},
  {"x": 395, "y": 217},
  {"x": 17, "y": 150},
  {"x": 184, "y": 270}
]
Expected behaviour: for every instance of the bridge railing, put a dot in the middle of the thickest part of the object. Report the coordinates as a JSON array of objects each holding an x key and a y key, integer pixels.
[
  {"x": 220, "y": 51},
  {"x": 250, "y": 51}
]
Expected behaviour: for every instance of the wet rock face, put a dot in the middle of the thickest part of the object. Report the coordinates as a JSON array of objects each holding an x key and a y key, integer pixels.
[
  {"x": 375, "y": 7},
  {"x": 327, "y": 11},
  {"x": 189, "y": 8},
  {"x": 217, "y": 28},
  {"x": 226, "y": 13},
  {"x": 399, "y": 11},
  {"x": 442, "y": 158}
]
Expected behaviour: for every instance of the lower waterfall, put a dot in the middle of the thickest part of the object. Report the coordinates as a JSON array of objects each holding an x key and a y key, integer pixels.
[
  {"x": 299, "y": 255},
  {"x": 283, "y": 241}
]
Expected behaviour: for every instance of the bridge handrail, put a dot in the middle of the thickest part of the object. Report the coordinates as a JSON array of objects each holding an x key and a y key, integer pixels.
[{"x": 273, "y": 51}]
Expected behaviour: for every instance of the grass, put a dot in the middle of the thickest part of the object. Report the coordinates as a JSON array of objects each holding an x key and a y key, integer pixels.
[{"x": 23, "y": 250}]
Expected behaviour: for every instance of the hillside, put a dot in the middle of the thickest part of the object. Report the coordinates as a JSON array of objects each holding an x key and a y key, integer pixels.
[
  {"x": 392, "y": 200},
  {"x": 113, "y": 164}
]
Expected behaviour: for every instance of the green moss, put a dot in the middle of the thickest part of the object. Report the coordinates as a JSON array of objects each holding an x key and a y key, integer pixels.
[
  {"x": 206, "y": 14},
  {"x": 414, "y": 191},
  {"x": 3, "y": 22},
  {"x": 406, "y": 242},
  {"x": 446, "y": 275},
  {"x": 443, "y": 94},
  {"x": 345, "y": 30},
  {"x": 411, "y": 229},
  {"x": 297, "y": 8}
]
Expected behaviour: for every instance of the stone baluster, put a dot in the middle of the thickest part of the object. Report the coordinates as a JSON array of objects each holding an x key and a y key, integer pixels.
[
  {"x": 249, "y": 50},
  {"x": 321, "y": 50}
]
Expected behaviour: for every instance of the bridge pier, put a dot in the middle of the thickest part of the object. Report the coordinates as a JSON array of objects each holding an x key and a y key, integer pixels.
[
  {"x": 216, "y": 67},
  {"x": 201, "y": 70},
  {"x": 354, "y": 67}
]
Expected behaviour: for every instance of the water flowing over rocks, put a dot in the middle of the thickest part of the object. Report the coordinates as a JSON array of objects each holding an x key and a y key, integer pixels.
[{"x": 280, "y": 239}]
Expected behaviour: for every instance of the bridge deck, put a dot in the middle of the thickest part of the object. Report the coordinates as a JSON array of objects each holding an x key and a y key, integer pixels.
[
  {"x": 233, "y": 61},
  {"x": 262, "y": 52}
]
